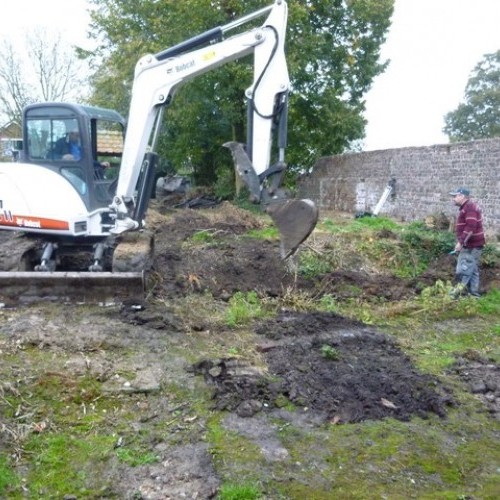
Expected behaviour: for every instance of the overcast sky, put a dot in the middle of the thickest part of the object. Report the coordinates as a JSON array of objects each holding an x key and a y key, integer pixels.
[
  {"x": 433, "y": 46},
  {"x": 69, "y": 17}
]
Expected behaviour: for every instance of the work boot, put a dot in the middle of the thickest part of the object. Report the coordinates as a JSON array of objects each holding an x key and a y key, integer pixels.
[{"x": 457, "y": 291}]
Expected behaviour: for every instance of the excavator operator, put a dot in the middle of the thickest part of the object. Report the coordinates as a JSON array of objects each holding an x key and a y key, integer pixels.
[{"x": 68, "y": 147}]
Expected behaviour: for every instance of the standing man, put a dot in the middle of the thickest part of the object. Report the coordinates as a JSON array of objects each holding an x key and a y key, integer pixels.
[{"x": 470, "y": 243}]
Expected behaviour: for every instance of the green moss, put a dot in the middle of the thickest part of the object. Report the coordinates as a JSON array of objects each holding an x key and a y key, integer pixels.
[
  {"x": 65, "y": 464},
  {"x": 434, "y": 458},
  {"x": 8, "y": 478},
  {"x": 237, "y": 459},
  {"x": 135, "y": 456}
]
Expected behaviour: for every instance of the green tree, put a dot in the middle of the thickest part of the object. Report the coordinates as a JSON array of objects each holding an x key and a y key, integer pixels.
[
  {"x": 479, "y": 116},
  {"x": 333, "y": 49}
]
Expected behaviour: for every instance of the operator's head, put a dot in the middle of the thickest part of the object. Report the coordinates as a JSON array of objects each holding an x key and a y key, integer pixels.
[
  {"x": 74, "y": 135},
  {"x": 460, "y": 196}
]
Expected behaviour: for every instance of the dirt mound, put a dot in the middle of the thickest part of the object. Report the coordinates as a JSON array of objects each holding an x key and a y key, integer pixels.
[
  {"x": 231, "y": 262},
  {"x": 338, "y": 369}
]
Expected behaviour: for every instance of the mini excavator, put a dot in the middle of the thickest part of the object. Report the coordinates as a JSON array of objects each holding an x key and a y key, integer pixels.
[{"x": 81, "y": 190}]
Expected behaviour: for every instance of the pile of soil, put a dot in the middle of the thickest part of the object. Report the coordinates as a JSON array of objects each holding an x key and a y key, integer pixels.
[
  {"x": 232, "y": 263},
  {"x": 339, "y": 370}
]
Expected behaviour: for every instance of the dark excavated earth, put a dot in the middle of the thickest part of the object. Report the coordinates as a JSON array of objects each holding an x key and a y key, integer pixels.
[{"x": 337, "y": 369}]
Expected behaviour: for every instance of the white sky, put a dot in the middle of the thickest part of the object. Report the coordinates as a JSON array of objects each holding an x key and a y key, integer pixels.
[
  {"x": 67, "y": 17},
  {"x": 433, "y": 46}
]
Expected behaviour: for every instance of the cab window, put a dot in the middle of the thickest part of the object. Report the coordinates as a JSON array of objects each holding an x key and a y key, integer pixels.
[{"x": 53, "y": 138}]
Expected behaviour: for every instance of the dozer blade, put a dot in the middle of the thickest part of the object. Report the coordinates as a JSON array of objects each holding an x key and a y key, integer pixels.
[
  {"x": 29, "y": 287},
  {"x": 295, "y": 220}
]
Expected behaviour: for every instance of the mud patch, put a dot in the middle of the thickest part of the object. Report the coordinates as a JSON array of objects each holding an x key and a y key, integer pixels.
[
  {"x": 482, "y": 378},
  {"x": 341, "y": 371},
  {"x": 181, "y": 472}
]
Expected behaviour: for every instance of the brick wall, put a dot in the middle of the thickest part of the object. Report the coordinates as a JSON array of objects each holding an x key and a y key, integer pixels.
[{"x": 354, "y": 182}]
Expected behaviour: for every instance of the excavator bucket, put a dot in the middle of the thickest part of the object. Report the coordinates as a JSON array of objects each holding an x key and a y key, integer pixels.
[
  {"x": 100, "y": 287},
  {"x": 295, "y": 220}
]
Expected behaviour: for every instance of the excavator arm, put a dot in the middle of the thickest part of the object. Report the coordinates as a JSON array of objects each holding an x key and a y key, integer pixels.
[{"x": 156, "y": 80}]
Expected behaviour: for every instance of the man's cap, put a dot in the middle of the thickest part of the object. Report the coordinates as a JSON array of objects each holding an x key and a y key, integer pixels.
[{"x": 463, "y": 191}]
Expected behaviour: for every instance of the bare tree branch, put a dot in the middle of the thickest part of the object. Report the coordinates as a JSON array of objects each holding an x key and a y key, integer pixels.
[
  {"x": 14, "y": 87},
  {"x": 50, "y": 71}
]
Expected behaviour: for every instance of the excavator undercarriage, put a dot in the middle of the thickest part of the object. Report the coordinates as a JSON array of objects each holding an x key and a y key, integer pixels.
[{"x": 33, "y": 270}]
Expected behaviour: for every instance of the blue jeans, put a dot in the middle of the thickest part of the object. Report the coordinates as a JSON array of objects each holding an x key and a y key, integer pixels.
[{"x": 467, "y": 271}]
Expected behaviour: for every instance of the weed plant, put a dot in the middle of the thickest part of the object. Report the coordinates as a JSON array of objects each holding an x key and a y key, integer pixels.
[
  {"x": 243, "y": 307},
  {"x": 244, "y": 491},
  {"x": 404, "y": 250}
]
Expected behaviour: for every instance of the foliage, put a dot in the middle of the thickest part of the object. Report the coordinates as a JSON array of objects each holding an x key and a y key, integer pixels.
[
  {"x": 333, "y": 50},
  {"x": 266, "y": 233},
  {"x": 479, "y": 116},
  {"x": 329, "y": 352},
  {"x": 374, "y": 223},
  {"x": 224, "y": 187},
  {"x": 405, "y": 250},
  {"x": 204, "y": 236},
  {"x": 7, "y": 476},
  {"x": 327, "y": 303},
  {"x": 242, "y": 200},
  {"x": 436, "y": 298},
  {"x": 311, "y": 264},
  {"x": 428, "y": 244},
  {"x": 490, "y": 256}
]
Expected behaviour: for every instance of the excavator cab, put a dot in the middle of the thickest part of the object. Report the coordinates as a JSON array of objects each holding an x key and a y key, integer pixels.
[{"x": 83, "y": 144}]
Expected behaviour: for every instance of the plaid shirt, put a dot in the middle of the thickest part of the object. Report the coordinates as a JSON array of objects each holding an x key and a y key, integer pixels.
[{"x": 469, "y": 227}]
